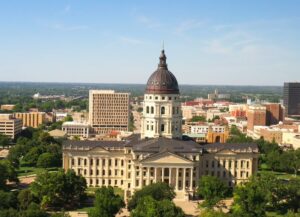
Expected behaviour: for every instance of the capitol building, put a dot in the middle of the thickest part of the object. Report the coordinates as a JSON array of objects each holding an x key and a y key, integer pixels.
[{"x": 159, "y": 153}]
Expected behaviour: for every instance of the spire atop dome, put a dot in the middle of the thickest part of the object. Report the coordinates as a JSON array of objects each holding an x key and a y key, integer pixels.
[
  {"x": 162, "y": 81},
  {"x": 163, "y": 60}
]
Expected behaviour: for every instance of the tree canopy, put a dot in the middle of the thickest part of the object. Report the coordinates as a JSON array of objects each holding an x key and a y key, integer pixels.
[
  {"x": 212, "y": 189},
  {"x": 59, "y": 189},
  {"x": 158, "y": 191},
  {"x": 106, "y": 203}
]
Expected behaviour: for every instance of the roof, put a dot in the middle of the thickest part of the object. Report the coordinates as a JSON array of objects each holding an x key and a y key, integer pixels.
[
  {"x": 162, "y": 81},
  {"x": 160, "y": 144},
  {"x": 57, "y": 133},
  {"x": 235, "y": 147}
]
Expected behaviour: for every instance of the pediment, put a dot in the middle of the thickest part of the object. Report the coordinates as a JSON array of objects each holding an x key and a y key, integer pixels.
[
  {"x": 98, "y": 150},
  {"x": 226, "y": 152},
  {"x": 166, "y": 158}
]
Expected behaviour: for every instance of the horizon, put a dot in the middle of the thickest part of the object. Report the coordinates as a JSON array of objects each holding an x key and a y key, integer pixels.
[{"x": 207, "y": 43}]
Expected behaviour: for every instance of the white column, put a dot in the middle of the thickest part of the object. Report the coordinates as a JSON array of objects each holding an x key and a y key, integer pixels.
[
  {"x": 162, "y": 174},
  {"x": 191, "y": 182},
  {"x": 148, "y": 175},
  {"x": 183, "y": 181},
  {"x": 170, "y": 176},
  {"x": 155, "y": 174},
  {"x": 177, "y": 174},
  {"x": 133, "y": 178},
  {"x": 141, "y": 176}
]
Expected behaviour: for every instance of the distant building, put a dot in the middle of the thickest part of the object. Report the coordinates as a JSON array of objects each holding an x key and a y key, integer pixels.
[
  {"x": 58, "y": 134},
  {"x": 31, "y": 119},
  {"x": 216, "y": 95},
  {"x": 291, "y": 98},
  {"x": 256, "y": 116},
  {"x": 9, "y": 125},
  {"x": 7, "y": 107},
  {"x": 274, "y": 113},
  {"x": 108, "y": 111},
  {"x": 72, "y": 128}
]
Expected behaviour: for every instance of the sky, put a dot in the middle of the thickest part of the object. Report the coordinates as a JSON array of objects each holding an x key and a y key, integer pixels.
[{"x": 213, "y": 42}]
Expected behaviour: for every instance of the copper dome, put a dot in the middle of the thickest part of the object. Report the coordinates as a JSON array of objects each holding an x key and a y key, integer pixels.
[{"x": 162, "y": 81}]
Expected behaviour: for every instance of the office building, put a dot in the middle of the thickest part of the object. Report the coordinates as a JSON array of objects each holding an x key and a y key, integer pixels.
[
  {"x": 72, "y": 128},
  {"x": 274, "y": 113},
  {"x": 291, "y": 98},
  {"x": 10, "y": 126},
  {"x": 108, "y": 111},
  {"x": 256, "y": 116},
  {"x": 31, "y": 119}
]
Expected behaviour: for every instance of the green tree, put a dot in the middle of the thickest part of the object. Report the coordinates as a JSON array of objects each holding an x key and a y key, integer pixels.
[
  {"x": 213, "y": 213},
  {"x": 25, "y": 198},
  {"x": 148, "y": 207},
  {"x": 250, "y": 199},
  {"x": 47, "y": 160},
  {"x": 107, "y": 203},
  {"x": 212, "y": 189},
  {"x": 291, "y": 161},
  {"x": 292, "y": 194},
  {"x": 158, "y": 191},
  {"x": 59, "y": 189},
  {"x": 8, "y": 200},
  {"x": 273, "y": 160},
  {"x": 4, "y": 140},
  {"x": 8, "y": 173},
  {"x": 198, "y": 119}
]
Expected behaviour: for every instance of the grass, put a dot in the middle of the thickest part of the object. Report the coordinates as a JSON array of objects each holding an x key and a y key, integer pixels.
[
  {"x": 27, "y": 170},
  {"x": 118, "y": 191},
  {"x": 264, "y": 169}
]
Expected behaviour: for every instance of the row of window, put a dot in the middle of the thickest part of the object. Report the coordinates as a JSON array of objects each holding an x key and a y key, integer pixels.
[
  {"x": 243, "y": 174},
  {"x": 109, "y": 162},
  {"x": 150, "y": 110},
  {"x": 162, "y": 97},
  {"x": 218, "y": 164}
]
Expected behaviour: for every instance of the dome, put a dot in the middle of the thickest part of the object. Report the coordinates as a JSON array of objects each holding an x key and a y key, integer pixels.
[{"x": 162, "y": 81}]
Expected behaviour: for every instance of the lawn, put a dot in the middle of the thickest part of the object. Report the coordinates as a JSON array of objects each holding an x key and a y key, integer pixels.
[
  {"x": 26, "y": 170},
  {"x": 264, "y": 169}
]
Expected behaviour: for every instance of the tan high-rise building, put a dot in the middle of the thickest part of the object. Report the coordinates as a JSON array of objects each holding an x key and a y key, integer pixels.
[
  {"x": 256, "y": 116},
  {"x": 108, "y": 111},
  {"x": 275, "y": 113},
  {"x": 31, "y": 119},
  {"x": 9, "y": 125}
]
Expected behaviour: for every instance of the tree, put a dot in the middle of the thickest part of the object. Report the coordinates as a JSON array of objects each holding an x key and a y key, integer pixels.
[
  {"x": 250, "y": 199},
  {"x": 4, "y": 140},
  {"x": 212, "y": 189},
  {"x": 32, "y": 156},
  {"x": 8, "y": 200},
  {"x": 148, "y": 207},
  {"x": 107, "y": 203},
  {"x": 198, "y": 119},
  {"x": 25, "y": 198},
  {"x": 158, "y": 191},
  {"x": 213, "y": 213},
  {"x": 46, "y": 160},
  {"x": 7, "y": 172},
  {"x": 59, "y": 189},
  {"x": 291, "y": 161},
  {"x": 273, "y": 160},
  {"x": 292, "y": 194}
]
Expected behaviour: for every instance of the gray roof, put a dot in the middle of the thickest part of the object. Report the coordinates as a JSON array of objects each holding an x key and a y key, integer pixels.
[{"x": 161, "y": 144}]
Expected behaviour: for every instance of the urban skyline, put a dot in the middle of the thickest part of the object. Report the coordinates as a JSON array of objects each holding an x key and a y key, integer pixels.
[{"x": 66, "y": 41}]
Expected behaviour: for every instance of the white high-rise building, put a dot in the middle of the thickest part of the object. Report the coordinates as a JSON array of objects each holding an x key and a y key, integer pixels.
[{"x": 162, "y": 109}]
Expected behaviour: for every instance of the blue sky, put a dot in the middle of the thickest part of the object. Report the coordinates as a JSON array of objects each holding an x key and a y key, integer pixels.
[{"x": 254, "y": 42}]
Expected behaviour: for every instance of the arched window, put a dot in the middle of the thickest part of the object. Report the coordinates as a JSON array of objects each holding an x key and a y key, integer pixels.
[
  {"x": 162, "y": 128},
  {"x": 162, "y": 110},
  {"x": 147, "y": 109},
  {"x": 152, "y": 110}
]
